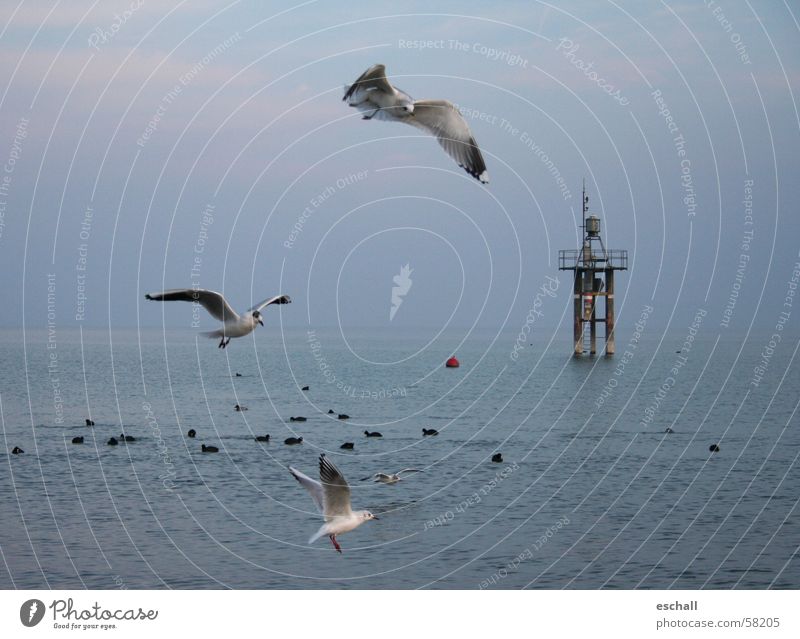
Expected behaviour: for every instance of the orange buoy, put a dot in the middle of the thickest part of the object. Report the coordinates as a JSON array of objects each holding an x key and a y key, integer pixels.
[{"x": 452, "y": 362}]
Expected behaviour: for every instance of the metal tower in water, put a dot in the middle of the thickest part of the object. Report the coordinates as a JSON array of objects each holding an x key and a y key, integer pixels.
[{"x": 594, "y": 267}]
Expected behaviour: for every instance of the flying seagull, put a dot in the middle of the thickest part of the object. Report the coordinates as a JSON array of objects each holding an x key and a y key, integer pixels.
[
  {"x": 332, "y": 496},
  {"x": 390, "y": 478},
  {"x": 373, "y": 95},
  {"x": 233, "y": 324}
]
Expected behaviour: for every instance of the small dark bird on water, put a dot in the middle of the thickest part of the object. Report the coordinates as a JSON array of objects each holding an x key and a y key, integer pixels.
[
  {"x": 714, "y": 448},
  {"x": 343, "y": 416},
  {"x": 347, "y": 446},
  {"x": 374, "y": 433},
  {"x": 192, "y": 432},
  {"x": 293, "y": 441},
  {"x": 239, "y": 408},
  {"x": 89, "y": 422},
  {"x": 429, "y": 432},
  {"x": 305, "y": 388},
  {"x": 262, "y": 438},
  {"x": 77, "y": 440},
  {"x": 112, "y": 442},
  {"x": 497, "y": 458},
  {"x": 209, "y": 449},
  {"x": 17, "y": 451},
  {"x": 127, "y": 438},
  {"x": 297, "y": 419},
  {"x": 330, "y": 411},
  {"x": 669, "y": 431},
  {"x": 238, "y": 374}
]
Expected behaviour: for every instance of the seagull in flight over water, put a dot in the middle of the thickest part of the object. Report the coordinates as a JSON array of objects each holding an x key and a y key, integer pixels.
[
  {"x": 332, "y": 496},
  {"x": 390, "y": 478},
  {"x": 377, "y": 98},
  {"x": 233, "y": 324}
]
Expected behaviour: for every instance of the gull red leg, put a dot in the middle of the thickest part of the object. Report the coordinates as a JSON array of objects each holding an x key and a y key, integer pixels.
[{"x": 335, "y": 543}]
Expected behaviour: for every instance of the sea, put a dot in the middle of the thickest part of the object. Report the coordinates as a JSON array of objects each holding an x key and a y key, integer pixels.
[{"x": 607, "y": 479}]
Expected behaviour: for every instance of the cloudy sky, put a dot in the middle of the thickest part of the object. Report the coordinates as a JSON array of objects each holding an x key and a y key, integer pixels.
[{"x": 169, "y": 144}]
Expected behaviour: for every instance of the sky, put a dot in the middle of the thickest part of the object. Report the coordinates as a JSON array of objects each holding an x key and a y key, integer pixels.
[{"x": 149, "y": 145}]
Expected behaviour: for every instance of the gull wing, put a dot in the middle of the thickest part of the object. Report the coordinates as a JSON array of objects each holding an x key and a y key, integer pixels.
[
  {"x": 312, "y": 486},
  {"x": 373, "y": 79},
  {"x": 212, "y": 301},
  {"x": 278, "y": 299},
  {"x": 336, "y": 491},
  {"x": 442, "y": 119},
  {"x": 409, "y": 470}
]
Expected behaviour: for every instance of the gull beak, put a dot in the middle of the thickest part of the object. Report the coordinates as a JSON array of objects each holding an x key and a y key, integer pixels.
[
  {"x": 375, "y": 518},
  {"x": 260, "y": 322}
]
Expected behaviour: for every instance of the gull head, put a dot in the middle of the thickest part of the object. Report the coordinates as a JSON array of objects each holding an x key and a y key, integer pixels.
[
  {"x": 257, "y": 317},
  {"x": 407, "y": 106},
  {"x": 366, "y": 515}
]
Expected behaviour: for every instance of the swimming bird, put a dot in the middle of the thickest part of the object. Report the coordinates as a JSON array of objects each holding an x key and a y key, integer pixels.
[
  {"x": 239, "y": 408},
  {"x": 127, "y": 438},
  {"x": 17, "y": 451},
  {"x": 429, "y": 432},
  {"x": 233, "y": 324},
  {"x": 293, "y": 441},
  {"x": 374, "y": 433},
  {"x": 262, "y": 438},
  {"x": 305, "y": 388},
  {"x": 669, "y": 431},
  {"x": 89, "y": 422},
  {"x": 377, "y": 98},
  {"x": 344, "y": 416},
  {"x": 330, "y": 411},
  {"x": 192, "y": 432},
  {"x": 390, "y": 478},
  {"x": 238, "y": 374},
  {"x": 332, "y": 496},
  {"x": 77, "y": 440},
  {"x": 112, "y": 442},
  {"x": 347, "y": 446},
  {"x": 297, "y": 419},
  {"x": 714, "y": 448},
  {"x": 208, "y": 449},
  {"x": 497, "y": 458}
]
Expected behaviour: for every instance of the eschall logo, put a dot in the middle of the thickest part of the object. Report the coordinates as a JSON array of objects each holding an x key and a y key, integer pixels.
[
  {"x": 31, "y": 612},
  {"x": 65, "y": 614}
]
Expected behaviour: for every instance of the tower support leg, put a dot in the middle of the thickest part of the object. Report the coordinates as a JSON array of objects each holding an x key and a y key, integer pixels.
[
  {"x": 577, "y": 331},
  {"x": 610, "y": 346}
]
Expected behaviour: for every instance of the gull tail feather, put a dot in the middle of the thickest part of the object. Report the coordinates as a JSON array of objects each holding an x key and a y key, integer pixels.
[
  {"x": 320, "y": 533},
  {"x": 214, "y": 334}
]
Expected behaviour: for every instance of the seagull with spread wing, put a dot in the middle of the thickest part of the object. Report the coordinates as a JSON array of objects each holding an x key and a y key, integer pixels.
[
  {"x": 391, "y": 478},
  {"x": 233, "y": 324},
  {"x": 332, "y": 496},
  {"x": 377, "y": 98}
]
